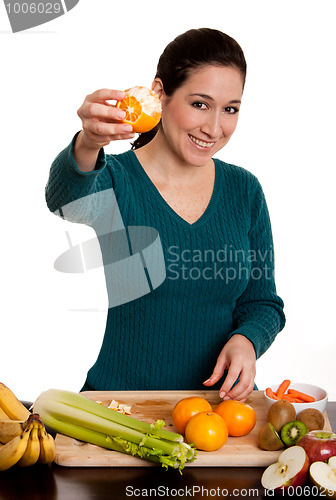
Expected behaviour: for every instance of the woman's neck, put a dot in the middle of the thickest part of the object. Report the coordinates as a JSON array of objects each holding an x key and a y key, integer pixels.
[{"x": 159, "y": 162}]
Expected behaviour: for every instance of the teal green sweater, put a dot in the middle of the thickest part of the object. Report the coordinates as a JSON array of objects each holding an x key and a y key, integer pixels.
[{"x": 219, "y": 277}]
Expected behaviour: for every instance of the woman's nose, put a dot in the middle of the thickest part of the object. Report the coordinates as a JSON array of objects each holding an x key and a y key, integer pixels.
[{"x": 212, "y": 125}]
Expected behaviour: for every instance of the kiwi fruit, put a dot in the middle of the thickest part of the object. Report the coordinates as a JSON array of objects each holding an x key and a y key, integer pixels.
[
  {"x": 313, "y": 419},
  {"x": 292, "y": 431},
  {"x": 280, "y": 413},
  {"x": 269, "y": 439}
]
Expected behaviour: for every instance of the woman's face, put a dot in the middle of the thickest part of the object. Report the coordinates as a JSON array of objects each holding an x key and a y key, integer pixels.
[{"x": 202, "y": 114}]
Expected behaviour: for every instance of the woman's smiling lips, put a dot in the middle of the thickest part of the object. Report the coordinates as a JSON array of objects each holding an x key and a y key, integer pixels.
[{"x": 201, "y": 144}]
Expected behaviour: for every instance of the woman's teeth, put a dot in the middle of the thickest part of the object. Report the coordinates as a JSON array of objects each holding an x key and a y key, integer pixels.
[{"x": 203, "y": 144}]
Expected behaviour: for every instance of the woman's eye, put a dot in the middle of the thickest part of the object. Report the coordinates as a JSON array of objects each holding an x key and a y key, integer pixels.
[
  {"x": 199, "y": 105},
  {"x": 231, "y": 110}
]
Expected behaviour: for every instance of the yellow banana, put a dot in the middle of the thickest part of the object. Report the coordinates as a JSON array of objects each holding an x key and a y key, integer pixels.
[
  {"x": 47, "y": 446},
  {"x": 32, "y": 452},
  {"x": 11, "y": 405},
  {"x": 9, "y": 429},
  {"x": 3, "y": 415},
  {"x": 11, "y": 452}
]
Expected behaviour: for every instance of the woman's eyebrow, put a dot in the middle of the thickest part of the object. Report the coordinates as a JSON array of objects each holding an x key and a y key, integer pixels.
[{"x": 206, "y": 96}]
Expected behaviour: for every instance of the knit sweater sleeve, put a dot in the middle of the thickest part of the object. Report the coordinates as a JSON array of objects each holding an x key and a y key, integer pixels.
[
  {"x": 70, "y": 192},
  {"x": 258, "y": 314}
]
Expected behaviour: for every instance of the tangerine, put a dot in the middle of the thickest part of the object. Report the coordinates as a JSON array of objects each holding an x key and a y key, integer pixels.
[
  {"x": 207, "y": 430},
  {"x": 240, "y": 417},
  {"x": 186, "y": 408},
  {"x": 142, "y": 107}
]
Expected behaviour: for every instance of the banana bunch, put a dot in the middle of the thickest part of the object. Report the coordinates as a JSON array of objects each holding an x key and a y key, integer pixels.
[{"x": 23, "y": 437}]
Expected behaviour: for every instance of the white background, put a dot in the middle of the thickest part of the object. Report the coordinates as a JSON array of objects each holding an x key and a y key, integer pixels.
[{"x": 52, "y": 324}]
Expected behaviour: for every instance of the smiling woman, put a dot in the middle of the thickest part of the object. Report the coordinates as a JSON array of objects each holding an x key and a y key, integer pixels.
[
  {"x": 189, "y": 52},
  {"x": 198, "y": 119},
  {"x": 203, "y": 318}
]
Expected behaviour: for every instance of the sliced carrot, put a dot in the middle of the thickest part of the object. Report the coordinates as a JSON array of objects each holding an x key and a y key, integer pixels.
[
  {"x": 283, "y": 388},
  {"x": 305, "y": 397},
  {"x": 271, "y": 394}
]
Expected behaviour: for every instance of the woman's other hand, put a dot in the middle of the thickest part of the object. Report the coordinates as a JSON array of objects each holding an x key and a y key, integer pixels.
[
  {"x": 238, "y": 357},
  {"x": 101, "y": 124}
]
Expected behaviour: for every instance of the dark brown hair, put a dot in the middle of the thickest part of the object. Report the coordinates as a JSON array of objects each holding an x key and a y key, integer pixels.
[{"x": 189, "y": 51}]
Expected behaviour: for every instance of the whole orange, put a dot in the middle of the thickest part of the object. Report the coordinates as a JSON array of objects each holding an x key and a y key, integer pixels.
[
  {"x": 186, "y": 408},
  {"x": 207, "y": 431},
  {"x": 142, "y": 107},
  {"x": 240, "y": 417}
]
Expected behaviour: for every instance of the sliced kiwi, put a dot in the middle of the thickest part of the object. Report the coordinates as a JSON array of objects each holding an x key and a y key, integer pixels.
[
  {"x": 269, "y": 439},
  {"x": 292, "y": 431},
  {"x": 280, "y": 413},
  {"x": 313, "y": 419}
]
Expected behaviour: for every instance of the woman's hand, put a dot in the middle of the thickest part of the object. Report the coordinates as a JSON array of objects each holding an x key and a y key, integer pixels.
[
  {"x": 238, "y": 357},
  {"x": 101, "y": 124}
]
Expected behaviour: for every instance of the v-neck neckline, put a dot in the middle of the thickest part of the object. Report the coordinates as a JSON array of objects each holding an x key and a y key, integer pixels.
[{"x": 207, "y": 212}]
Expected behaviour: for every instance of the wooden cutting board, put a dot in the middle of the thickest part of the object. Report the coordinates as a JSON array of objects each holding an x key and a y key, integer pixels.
[{"x": 152, "y": 405}]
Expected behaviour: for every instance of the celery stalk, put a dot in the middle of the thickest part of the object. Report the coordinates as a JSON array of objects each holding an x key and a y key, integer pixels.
[
  {"x": 78, "y": 417},
  {"x": 94, "y": 422},
  {"x": 79, "y": 401},
  {"x": 115, "y": 444}
]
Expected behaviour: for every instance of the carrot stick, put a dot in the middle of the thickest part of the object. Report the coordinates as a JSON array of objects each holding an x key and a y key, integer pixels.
[
  {"x": 305, "y": 397},
  {"x": 288, "y": 397},
  {"x": 270, "y": 393},
  {"x": 283, "y": 388}
]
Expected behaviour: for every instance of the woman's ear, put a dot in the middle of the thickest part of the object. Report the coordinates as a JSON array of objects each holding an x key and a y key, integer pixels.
[{"x": 157, "y": 86}]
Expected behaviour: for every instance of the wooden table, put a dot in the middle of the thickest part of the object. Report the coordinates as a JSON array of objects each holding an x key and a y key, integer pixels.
[{"x": 95, "y": 483}]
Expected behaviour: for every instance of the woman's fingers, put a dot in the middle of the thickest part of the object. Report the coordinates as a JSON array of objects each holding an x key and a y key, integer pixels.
[
  {"x": 103, "y": 112},
  {"x": 102, "y": 95},
  {"x": 218, "y": 370},
  {"x": 101, "y": 120},
  {"x": 232, "y": 375},
  {"x": 122, "y": 137},
  {"x": 243, "y": 387},
  {"x": 103, "y": 129},
  {"x": 101, "y": 124},
  {"x": 101, "y": 140},
  {"x": 238, "y": 357}
]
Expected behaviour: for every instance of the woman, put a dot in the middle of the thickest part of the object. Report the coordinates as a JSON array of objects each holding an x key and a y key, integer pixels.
[{"x": 217, "y": 309}]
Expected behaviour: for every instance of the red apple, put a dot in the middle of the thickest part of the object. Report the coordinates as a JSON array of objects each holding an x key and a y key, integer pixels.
[
  {"x": 291, "y": 469},
  {"x": 324, "y": 476},
  {"x": 319, "y": 445}
]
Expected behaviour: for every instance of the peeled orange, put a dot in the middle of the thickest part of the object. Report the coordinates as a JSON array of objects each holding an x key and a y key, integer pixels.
[
  {"x": 239, "y": 417},
  {"x": 142, "y": 107},
  {"x": 207, "y": 431},
  {"x": 186, "y": 408}
]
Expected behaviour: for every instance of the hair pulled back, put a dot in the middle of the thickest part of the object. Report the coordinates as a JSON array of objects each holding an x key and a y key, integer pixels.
[{"x": 189, "y": 51}]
